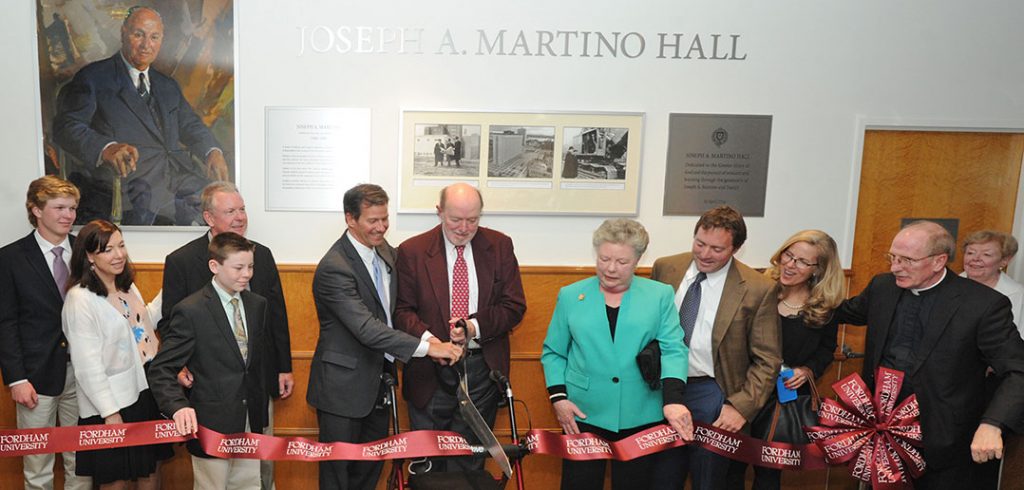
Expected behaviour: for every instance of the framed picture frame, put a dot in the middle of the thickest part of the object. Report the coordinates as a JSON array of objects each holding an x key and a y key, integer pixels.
[
  {"x": 138, "y": 105},
  {"x": 524, "y": 162},
  {"x": 716, "y": 159},
  {"x": 313, "y": 155}
]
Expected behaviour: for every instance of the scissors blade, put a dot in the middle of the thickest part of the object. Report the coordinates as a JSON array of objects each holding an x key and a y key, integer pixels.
[{"x": 479, "y": 427}]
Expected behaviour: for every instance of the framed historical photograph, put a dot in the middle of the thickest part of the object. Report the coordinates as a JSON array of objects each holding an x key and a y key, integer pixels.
[
  {"x": 525, "y": 163},
  {"x": 525, "y": 152},
  {"x": 447, "y": 150},
  {"x": 595, "y": 153},
  {"x": 138, "y": 104}
]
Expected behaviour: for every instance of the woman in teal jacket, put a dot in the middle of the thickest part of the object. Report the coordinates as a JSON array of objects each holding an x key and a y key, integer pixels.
[{"x": 598, "y": 327}]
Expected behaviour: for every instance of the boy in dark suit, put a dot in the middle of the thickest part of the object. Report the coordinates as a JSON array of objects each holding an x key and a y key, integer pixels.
[
  {"x": 218, "y": 333},
  {"x": 186, "y": 271}
]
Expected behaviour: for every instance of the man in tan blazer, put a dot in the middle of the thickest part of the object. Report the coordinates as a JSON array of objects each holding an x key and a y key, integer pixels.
[{"x": 729, "y": 315}]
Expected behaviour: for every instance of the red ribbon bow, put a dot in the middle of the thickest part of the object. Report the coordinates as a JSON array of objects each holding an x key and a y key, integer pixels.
[{"x": 876, "y": 436}]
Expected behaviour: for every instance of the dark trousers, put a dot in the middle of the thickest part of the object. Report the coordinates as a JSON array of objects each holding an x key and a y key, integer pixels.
[
  {"x": 957, "y": 477},
  {"x": 442, "y": 411},
  {"x": 351, "y": 475},
  {"x": 626, "y": 475},
  {"x": 708, "y": 470},
  {"x": 764, "y": 478}
]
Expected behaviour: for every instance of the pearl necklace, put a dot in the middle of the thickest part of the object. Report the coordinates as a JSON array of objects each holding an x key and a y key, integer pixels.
[{"x": 792, "y": 307}]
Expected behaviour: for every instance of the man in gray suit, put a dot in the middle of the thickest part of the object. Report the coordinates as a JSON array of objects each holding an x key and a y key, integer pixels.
[{"x": 354, "y": 290}]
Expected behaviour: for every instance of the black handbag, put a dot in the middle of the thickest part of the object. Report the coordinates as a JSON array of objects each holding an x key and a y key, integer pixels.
[
  {"x": 649, "y": 362},
  {"x": 785, "y": 422}
]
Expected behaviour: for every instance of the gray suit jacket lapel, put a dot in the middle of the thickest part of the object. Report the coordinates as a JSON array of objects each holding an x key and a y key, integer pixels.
[
  {"x": 387, "y": 254},
  {"x": 358, "y": 268}
]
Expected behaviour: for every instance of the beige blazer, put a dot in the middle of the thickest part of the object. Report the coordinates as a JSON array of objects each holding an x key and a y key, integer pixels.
[{"x": 746, "y": 341}]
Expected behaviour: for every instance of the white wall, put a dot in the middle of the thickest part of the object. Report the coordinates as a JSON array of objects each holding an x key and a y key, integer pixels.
[{"x": 820, "y": 68}]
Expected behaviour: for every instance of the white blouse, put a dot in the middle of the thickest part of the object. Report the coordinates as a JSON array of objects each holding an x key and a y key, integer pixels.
[
  {"x": 104, "y": 353},
  {"x": 1015, "y": 291}
]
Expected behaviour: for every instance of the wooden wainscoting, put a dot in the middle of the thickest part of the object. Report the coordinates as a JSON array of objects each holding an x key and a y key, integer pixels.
[{"x": 293, "y": 417}]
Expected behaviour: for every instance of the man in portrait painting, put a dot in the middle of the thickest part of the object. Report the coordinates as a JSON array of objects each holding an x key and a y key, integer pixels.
[{"x": 136, "y": 135}]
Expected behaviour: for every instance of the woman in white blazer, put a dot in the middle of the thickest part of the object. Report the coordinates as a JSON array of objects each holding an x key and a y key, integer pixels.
[{"x": 110, "y": 336}]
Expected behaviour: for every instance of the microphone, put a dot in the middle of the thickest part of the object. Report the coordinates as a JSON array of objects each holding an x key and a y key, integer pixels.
[
  {"x": 503, "y": 383},
  {"x": 388, "y": 380}
]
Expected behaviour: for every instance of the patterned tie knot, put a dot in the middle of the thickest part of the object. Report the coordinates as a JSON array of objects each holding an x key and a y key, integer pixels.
[
  {"x": 234, "y": 302},
  {"x": 459, "y": 249},
  {"x": 143, "y": 91},
  {"x": 700, "y": 277}
]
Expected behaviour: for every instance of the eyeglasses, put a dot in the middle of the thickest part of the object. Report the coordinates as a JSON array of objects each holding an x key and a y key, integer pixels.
[
  {"x": 907, "y": 261},
  {"x": 788, "y": 257}
]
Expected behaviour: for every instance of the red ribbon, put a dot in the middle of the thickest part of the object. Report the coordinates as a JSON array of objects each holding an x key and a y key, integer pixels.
[
  {"x": 415, "y": 444},
  {"x": 874, "y": 435},
  {"x": 242, "y": 445},
  {"x": 732, "y": 445},
  {"x": 877, "y": 437},
  {"x": 85, "y": 437}
]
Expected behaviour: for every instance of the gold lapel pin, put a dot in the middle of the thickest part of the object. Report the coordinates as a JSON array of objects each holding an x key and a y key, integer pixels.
[{"x": 582, "y": 296}]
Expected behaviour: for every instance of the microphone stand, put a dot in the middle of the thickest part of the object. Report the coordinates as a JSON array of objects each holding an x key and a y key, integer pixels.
[
  {"x": 504, "y": 383},
  {"x": 395, "y": 481}
]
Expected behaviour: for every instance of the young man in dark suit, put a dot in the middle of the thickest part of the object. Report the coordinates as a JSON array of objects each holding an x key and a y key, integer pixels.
[
  {"x": 354, "y": 290},
  {"x": 218, "y": 334},
  {"x": 33, "y": 350},
  {"x": 186, "y": 271},
  {"x": 432, "y": 297},
  {"x": 944, "y": 332}
]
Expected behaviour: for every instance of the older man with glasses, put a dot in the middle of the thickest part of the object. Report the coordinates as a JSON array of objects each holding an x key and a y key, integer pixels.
[{"x": 943, "y": 331}]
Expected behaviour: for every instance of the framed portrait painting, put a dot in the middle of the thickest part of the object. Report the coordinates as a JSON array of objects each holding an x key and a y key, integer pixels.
[{"x": 138, "y": 104}]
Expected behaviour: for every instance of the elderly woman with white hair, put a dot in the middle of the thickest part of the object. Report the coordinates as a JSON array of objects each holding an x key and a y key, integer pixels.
[
  {"x": 599, "y": 326},
  {"x": 986, "y": 255}
]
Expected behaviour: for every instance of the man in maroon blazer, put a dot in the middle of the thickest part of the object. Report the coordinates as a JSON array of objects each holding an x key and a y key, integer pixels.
[{"x": 457, "y": 270}]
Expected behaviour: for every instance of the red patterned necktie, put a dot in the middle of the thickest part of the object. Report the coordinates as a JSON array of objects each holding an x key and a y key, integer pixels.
[{"x": 460, "y": 285}]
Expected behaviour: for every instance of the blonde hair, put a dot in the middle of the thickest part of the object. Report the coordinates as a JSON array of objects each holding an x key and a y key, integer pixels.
[
  {"x": 41, "y": 190},
  {"x": 826, "y": 283},
  {"x": 1007, "y": 243}
]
